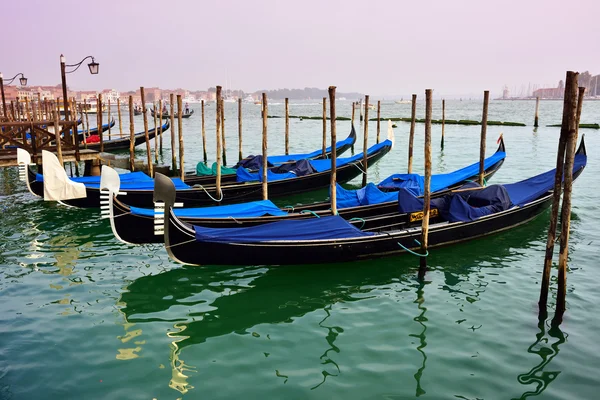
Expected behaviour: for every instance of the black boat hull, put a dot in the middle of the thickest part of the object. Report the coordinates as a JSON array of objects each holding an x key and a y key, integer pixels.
[
  {"x": 239, "y": 192},
  {"x": 137, "y": 229},
  {"x": 182, "y": 247}
]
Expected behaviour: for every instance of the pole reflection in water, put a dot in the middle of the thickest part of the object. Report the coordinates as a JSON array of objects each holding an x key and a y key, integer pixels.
[
  {"x": 547, "y": 348},
  {"x": 421, "y": 319},
  {"x": 332, "y": 334}
]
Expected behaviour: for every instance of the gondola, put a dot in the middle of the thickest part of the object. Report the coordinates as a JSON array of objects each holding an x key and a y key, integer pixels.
[
  {"x": 464, "y": 215},
  {"x": 167, "y": 115},
  {"x": 341, "y": 147},
  {"x": 35, "y": 181},
  {"x": 140, "y": 194},
  {"x": 94, "y": 131},
  {"x": 118, "y": 143},
  {"x": 136, "y": 225},
  {"x": 137, "y": 112}
]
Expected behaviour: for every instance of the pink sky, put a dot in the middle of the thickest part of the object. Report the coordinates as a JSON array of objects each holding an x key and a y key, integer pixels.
[{"x": 383, "y": 48}]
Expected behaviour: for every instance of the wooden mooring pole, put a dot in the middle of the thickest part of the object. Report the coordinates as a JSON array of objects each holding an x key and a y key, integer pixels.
[
  {"x": 486, "y": 100},
  {"x": 203, "y": 134},
  {"x": 365, "y": 142},
  {"x": 119, "y": 115},
  {"x": 443, "y": 120},
  {"x": 172, "y": 119},
  {"x": 265, "y": 183},
  {"x": 99, "y": 114},
  {"x": 324, "y": 141},
  {"x": 353, "y": 111},
  {"x": 223, "y": 140},
  {"x": 411, "y": 137},
  {"x": 160, "y": 127},
  {"x": 131, "y": 136},
  {"x": 333, "y": 177},
  {"x": 427, "y": 185},
  {"x": 378, "y": 119},
  {"x": 57, "y": 136},
  {"x": 180, "y": 132},
  {"x": 568, "y": 120},
  {"x": 218, "y": 138},
  {"x": 148, "y": 149},
  {"x": 155, "y": 133},
  {"x": 287, "y": 126},
  {"x": 240, "y": 129},
  {"x": 565, "y": 216},
  {"x": 537, "y": 109},
  {"x": 108, "y": 120}
]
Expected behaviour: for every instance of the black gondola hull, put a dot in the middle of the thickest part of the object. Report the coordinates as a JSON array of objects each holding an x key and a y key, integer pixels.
[
  {"x": 184, "y": 249},
  {"x": 137, "y": 229},
  {"x": 237, "y": 193}
]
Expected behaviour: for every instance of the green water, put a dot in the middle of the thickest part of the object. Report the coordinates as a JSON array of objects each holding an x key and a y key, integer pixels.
[{"x": 83, "y": 316}]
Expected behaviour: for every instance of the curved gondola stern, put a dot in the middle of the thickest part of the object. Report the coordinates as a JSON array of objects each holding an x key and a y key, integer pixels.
[
  {"x": 110, "y": 183},
  {"x": 581, "y": 150},
  {"x": 57, "y": 184},
  {"x": 501, "y": 146},
  {"x": 391, "y": 132},
  {"x": 24, "y": 161},
  {"x": 164, "y": 201}
]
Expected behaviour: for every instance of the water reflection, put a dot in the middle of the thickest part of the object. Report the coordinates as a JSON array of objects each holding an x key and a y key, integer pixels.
[
  {"x": 210, "y": 302},
  {"x": 421, "y": 319},
  {"x": 546, "y": 346}
]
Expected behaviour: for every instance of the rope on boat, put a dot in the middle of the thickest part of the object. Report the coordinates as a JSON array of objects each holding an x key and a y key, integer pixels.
[
  {"x": 290, "y": 208},
  {"x": 358, "y": 219},
  {"x": 356, "y": 164},
  {"x": 208, "y": 194},
  {"x": 412, "y": 252},
  {"x": 311, "y": 212}
]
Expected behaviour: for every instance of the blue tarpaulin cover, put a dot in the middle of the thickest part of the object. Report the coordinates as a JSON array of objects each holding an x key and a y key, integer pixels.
[
  {"x": 530, "y": 189},
  {"x": 295, "y": 157},
  {"x": 325, "y": 165},
  {"x": 463, "y": 206},
  {"x": 251, "y": 209},
  {"x": 318, "y": 166},
  {"x": 369, "y": 194},
  {"x": 133, "y": 181},
  {"x": 333, "y": 227},
  {"x": 469, "y": 205},
  {"x": 415, "y": 182}
]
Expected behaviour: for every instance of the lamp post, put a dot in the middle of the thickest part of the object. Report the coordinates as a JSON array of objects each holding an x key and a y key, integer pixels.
[
  {"x": 22, "y": 81},
  {"x": 94, "y": 67}
]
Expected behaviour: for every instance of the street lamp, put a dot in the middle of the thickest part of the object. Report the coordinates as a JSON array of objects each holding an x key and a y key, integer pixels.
[
  {"x": 22, "y": 81},
  {"x": 94, "y": 67}
]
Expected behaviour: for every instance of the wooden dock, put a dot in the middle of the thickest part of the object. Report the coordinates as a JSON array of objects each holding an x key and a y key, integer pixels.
[{"x": 8, "y": 157}]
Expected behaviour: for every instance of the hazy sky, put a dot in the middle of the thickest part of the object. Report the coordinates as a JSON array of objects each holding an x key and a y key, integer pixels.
[{"x": 382, "y": 48}]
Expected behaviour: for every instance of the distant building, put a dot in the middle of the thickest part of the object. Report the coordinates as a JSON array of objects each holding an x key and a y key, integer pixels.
[
  {"x": 110, "y": 95},
  {"x": 551, "y": 93}
]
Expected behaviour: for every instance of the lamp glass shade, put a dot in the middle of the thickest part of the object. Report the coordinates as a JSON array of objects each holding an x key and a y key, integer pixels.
[
  {"x": 94, "y": 67},
  {"x": 23, "y": 81}
]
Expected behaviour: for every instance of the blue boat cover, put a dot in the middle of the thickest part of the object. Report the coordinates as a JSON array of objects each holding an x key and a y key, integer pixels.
[
  {"x": 325, "y": 165},
  {"x": 469, "y": 205},
  {"x": 252, "y": 162},
  {"x": 132, "y": 181},
  {"x": 369, "y": 194},
  {"x": 317, "y": 153},
  {"x": 284, "y": 171},
  {"x": 252, "y": 209},
  {"x": 462, "y": 206},
  {"x": 530, "y": 189},
  {"x": 415, "y": 182},
  {"x": 333, "y": 227}
]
